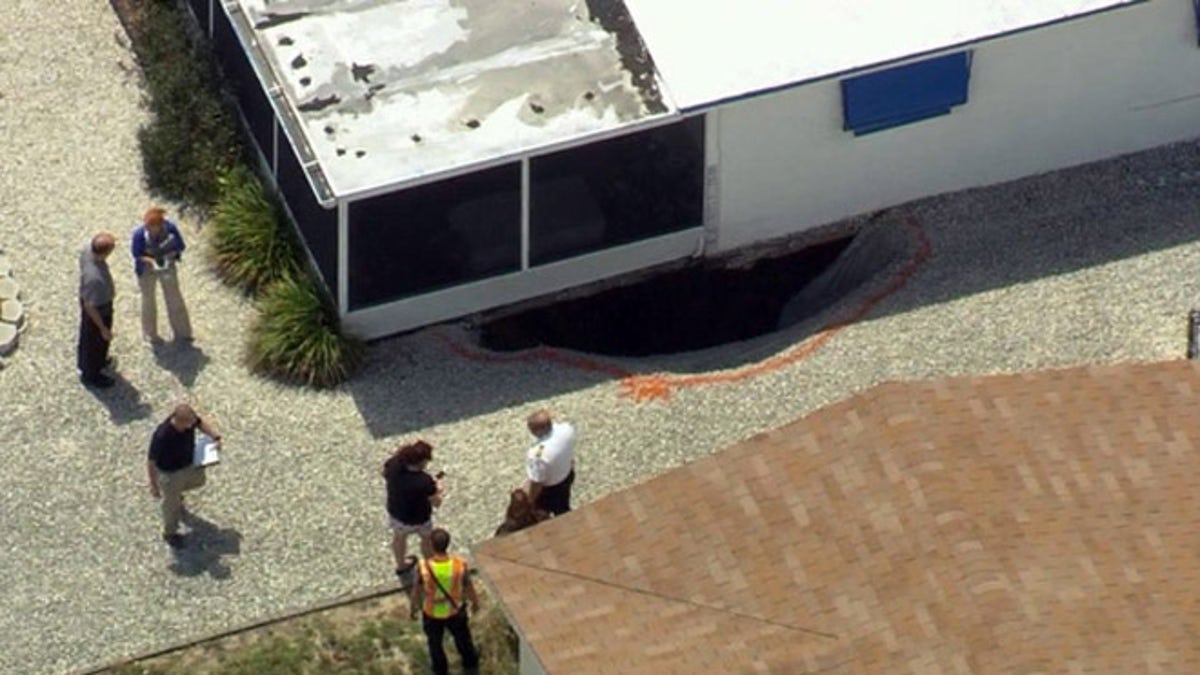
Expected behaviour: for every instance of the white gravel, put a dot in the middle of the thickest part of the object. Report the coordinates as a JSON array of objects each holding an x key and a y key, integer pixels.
[{"x": 1091, "y": 265}]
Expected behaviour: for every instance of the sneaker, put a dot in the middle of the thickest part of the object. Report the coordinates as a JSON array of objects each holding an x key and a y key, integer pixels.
[
  {"x": 99, "y": 381},
  {"x": 174, "y": 540},
  {"x": 152, "y": 340}
]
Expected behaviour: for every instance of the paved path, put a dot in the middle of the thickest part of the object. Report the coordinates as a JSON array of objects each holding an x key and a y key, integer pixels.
[{"x": 1084, "y": 266}]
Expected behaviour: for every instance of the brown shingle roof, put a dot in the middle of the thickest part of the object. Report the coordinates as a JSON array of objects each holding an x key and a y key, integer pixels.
[{"x": 1021, "y": 523}]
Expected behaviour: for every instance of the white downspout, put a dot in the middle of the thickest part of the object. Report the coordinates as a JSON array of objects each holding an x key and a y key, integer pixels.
[{"x": 709, "y": 234}]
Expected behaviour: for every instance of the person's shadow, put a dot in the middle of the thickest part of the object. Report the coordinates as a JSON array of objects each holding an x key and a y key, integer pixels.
[
  {"x": 184, "y": 359},
  {"x": 206, "y": 545},
  {"x": 123, "y": 400}
]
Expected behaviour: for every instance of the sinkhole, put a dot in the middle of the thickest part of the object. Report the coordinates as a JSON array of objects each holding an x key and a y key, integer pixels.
[{"x": 694, "y": 307}]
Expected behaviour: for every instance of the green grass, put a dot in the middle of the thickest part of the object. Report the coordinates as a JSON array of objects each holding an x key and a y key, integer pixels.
[
  {"x": 297, "y": 336},
  {"x": 368, "y": 639}
]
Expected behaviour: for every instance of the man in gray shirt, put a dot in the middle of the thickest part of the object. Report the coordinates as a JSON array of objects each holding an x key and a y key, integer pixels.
[{"x": 96, "y": 306}]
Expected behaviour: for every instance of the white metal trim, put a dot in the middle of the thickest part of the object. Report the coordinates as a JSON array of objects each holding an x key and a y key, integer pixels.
[
  {"x": 530, "y": 153},
  {"x": 343, "y": 258},
  {"x": 267, "y": 80},
  {"x": 449, "y": 303},
  {"x": 712, "y": 180},
  {"x": 524, "y": 213}
]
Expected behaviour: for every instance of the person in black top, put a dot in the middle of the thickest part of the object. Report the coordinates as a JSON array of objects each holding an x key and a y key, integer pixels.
[
  {"x": 96, "y": 291},
  {"x": 169, "y": 466},
  {"x": 412, "y": 495}
]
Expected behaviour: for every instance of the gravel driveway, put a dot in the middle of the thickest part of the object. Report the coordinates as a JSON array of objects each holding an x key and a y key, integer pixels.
[{"x": 1090, "y": 265}]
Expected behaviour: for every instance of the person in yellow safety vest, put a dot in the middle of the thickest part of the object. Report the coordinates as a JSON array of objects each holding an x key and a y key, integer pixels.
[{"x": 439, "y": 596}]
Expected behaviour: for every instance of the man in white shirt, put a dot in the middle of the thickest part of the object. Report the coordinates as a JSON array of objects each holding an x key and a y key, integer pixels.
[{"x": 550, "y": 463}]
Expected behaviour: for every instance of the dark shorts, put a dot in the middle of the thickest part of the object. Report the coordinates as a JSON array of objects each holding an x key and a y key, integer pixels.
[{"x": 556, "y": 498}]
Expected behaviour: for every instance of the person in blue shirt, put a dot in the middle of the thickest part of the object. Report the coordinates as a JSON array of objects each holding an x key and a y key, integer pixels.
[{"x": 157, "y": 247}]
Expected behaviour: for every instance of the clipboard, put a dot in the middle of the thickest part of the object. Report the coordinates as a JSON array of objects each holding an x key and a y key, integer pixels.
[{"x": 207, "y": 452}]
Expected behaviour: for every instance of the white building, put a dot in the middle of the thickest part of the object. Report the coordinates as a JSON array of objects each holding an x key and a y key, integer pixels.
[{"x": 443, "y": 158}]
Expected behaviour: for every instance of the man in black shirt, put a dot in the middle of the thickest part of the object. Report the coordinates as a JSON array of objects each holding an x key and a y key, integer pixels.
[{"x": 170, "y": 468}]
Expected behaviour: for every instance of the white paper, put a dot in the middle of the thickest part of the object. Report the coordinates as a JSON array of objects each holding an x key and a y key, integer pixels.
[{"x": 207, "y": 452}]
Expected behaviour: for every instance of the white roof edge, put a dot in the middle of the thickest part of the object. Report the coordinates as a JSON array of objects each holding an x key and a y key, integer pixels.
[{"x": 761, "y": 38}]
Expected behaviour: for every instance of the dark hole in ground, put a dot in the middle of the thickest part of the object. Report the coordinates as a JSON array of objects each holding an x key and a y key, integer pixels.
[{"x": 683, "y": 310}]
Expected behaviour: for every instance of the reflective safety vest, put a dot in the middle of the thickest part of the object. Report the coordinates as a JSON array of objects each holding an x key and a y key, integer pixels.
[{"x": 450, "y": 573}]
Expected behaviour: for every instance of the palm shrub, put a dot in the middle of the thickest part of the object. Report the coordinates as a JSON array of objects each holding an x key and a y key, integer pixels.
[
  {"x": 252, "y": 244},
  {"x": 297, "y": 336},
  {"x": 192, "y": 131}
]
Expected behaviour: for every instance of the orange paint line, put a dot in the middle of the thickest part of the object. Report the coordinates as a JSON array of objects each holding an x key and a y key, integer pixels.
[
  {"x": 533, "y": 354},
  {"x": 659, "y": 386}
]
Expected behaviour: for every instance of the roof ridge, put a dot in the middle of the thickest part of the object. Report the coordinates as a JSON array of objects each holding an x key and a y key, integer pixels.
[{"x": 662, "y": 596}]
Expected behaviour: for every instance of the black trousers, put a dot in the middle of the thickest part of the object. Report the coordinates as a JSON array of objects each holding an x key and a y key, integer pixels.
[
  {"x": 460, "y": 630},
  {"x": 556, "y": 498},
  {"x": 92, "y": 353}
]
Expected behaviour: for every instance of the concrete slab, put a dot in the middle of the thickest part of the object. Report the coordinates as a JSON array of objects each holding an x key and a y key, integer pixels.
[
  {"x": 9, "y": 288},
  {"x": 12, "y": 311}
]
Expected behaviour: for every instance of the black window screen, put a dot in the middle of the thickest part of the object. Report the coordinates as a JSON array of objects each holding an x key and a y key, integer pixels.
[
  {"x": 317, "y": 225},
  {"x": 433, "y": 236},
  {"x": 224, "y": 41},
  {"x": 200, "y": 10},
  {"x": 616, "y": 191},
  {"x": 1196, "y": 6},
  {"x": 251, "y": 97}
]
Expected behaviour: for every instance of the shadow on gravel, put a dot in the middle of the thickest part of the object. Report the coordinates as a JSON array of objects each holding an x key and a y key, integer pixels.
[
  {"x": 123, "y": 401},
  {"x": 207, "y": 545},
  {"x": 396, "y": 395},
  {"x": 183, "y": 359}
]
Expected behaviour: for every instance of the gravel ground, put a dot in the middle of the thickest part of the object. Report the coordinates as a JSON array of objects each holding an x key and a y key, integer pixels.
[{"x": 1090, "y": 265}]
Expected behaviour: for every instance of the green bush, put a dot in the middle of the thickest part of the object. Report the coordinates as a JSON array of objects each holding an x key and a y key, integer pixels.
[
  {"x": 252, "y": 244},
  {"x": 192, "y": 132},
  {"x": 297, "y": 336}
]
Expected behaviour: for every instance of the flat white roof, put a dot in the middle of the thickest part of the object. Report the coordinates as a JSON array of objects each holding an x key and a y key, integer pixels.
[
  {"x": 714, "y": 50},
  {"x": 388, "y": 91}
]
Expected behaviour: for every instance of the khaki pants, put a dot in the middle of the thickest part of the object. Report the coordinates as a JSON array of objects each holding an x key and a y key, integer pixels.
[
  {"x": 171, "y": 486},
  {"x": 177, "y": 314}
]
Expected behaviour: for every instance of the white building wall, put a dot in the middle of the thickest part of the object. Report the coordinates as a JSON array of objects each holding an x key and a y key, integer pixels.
[
  {"x": 527, "y": 661},
  {"x": 1053, "y": 97}
]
